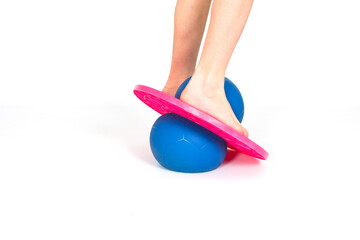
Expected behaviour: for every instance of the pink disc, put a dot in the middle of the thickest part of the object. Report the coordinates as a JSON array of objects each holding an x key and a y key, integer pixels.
[{"x": 164, "y": 103}]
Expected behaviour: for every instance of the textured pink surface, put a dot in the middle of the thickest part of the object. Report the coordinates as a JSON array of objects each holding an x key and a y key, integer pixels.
[{"x": 164, "y": 103}]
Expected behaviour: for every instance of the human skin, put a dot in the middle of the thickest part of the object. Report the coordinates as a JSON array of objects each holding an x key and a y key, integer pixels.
[
  {"x": 189, "y": 25},
  {"x": 206, "y": 91}
]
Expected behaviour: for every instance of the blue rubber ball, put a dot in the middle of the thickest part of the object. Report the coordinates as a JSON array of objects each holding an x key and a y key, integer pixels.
[
  {"x": 233, "y": 95},
  {"x": 181, "y": 145}
]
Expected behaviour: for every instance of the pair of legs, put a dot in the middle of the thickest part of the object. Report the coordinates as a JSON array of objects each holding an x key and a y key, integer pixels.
[{"x": 205, "y": 91}]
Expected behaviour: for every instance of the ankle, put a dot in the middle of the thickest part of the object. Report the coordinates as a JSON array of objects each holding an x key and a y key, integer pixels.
[
  {"x": 180, "y": 71},
  {"x": 210, "y": 70},
  {"x": 211, "y": 84}
]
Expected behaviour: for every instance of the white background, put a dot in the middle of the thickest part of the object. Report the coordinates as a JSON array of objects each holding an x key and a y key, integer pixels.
[{"x": 75, "y": 161}]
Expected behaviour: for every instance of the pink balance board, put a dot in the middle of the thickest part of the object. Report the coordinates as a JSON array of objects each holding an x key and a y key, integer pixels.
[{"x": 164, "y": 103}]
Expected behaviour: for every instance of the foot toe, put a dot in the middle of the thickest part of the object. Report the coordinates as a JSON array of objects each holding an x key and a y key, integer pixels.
[{"x": 246, "y": 133}]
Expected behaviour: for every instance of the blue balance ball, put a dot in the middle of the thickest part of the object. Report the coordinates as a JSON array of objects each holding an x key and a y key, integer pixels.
[
  {"x": 233, "y": 95},
  {"x": 181, "y": 145}
]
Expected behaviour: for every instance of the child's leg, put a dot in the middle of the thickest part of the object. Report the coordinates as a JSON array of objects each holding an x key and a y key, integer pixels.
[
  {"x": 190, "y": 20},
  {"x": 206, "y": 88}
]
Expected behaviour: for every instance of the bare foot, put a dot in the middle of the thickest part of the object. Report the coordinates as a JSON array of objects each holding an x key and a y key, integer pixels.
[
  {"x": 171, "y": 90},
  {"x": 172, "y": 85},
  {"x": 213, "y": 102}
]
